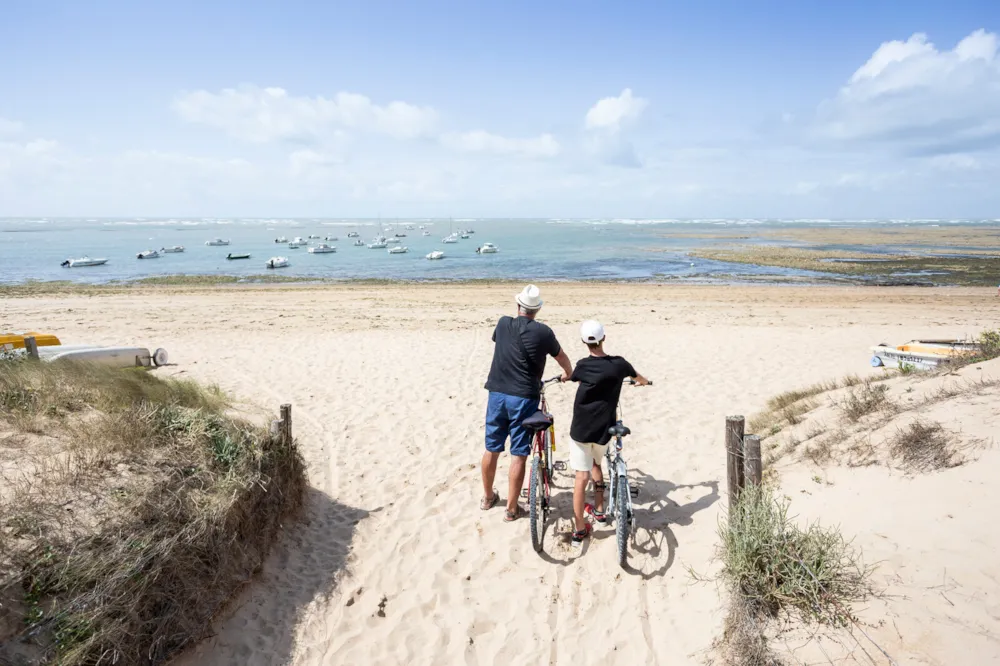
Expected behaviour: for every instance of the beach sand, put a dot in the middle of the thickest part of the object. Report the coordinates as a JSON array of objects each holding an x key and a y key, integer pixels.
[{"x": 394, "y": 563}]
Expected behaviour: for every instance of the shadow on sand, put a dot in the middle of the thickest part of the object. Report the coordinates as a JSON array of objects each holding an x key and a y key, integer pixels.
[
  {"x": 259, "y": 627},
  {"x": 654, "y": 511}
]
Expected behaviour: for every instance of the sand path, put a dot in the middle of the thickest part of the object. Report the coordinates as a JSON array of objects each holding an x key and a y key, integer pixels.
[{"x": 394, "y": 562}]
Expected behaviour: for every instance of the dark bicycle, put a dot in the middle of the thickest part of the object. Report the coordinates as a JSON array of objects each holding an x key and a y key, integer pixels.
[{"x": 542, "y": 466}]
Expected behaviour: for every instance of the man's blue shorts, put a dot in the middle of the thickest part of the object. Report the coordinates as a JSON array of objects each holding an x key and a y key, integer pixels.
[{"x": 504, "y": 414}]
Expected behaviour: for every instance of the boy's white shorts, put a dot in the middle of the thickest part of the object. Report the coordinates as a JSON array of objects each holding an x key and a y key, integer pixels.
[{"x": 583, "y": 456}]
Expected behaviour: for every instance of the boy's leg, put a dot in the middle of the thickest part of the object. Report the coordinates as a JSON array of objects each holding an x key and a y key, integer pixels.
[
  {"x": 598, "y": 476},
  {"x": 579, "y": 495}
]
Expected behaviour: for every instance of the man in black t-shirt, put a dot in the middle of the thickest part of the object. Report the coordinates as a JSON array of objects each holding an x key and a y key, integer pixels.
[
  {"x": 514, "y": 383},
  {"x": 594, "y": 409}
]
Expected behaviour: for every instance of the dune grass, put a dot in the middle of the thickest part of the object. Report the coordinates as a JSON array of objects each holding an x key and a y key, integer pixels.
[
  {"x": 924, "y": 446},
  {"x": 864, "y": 399},
  {"x": 773, "y": 567},
  {"x": 131, "y": 510}
]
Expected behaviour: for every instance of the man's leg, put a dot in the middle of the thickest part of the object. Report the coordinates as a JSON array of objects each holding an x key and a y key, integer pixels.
[
  {"x": 489, "y": 471},
  {"x": 516, "y": 482},
  {"x": 520, "y": 446},
  {"x": 579, "y": 497},
  {"x": 497, "y": 426}
]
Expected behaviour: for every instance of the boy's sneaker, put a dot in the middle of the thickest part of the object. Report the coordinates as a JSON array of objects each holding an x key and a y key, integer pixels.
[{"x": 580, "y": 535}]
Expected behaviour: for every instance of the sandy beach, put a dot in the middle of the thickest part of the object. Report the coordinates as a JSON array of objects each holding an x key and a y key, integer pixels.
[{"x": 394, "y": 563}]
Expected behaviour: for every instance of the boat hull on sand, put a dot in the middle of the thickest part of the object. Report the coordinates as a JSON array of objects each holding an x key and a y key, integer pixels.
[{"x": 922, "y": 354}]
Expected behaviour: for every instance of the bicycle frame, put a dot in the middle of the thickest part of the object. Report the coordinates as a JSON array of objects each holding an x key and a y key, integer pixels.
[{"x": 617, "y": 473}]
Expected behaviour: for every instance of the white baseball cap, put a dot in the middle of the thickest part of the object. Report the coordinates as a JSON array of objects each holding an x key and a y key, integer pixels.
[
  {"x": 529, "y": 298},
  {"x": 591, "y": 331}
]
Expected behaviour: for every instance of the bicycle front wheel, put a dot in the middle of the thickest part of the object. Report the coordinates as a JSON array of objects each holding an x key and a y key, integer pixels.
[
  {"x": 622, "y": 521},
  {"x": 536, "y": 504}
]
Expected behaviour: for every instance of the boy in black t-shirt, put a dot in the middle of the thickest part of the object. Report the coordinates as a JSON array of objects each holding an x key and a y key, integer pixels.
[{"x": 600, "y": 377}]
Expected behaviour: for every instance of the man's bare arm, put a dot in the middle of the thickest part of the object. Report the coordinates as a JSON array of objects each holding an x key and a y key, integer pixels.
[{"x": 563, "y": 360}]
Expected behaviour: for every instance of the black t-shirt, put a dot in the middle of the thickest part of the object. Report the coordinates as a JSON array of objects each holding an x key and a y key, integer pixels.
[
  {"x": 512, "y": 372},
  {"x": 597, "y": 396}
]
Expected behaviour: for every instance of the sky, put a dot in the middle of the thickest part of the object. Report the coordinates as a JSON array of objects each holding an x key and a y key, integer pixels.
[{"x": 736, "y": 109}]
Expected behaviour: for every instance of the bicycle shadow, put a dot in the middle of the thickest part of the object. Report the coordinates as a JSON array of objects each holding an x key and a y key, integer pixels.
[{"x": 655, "y": 511}]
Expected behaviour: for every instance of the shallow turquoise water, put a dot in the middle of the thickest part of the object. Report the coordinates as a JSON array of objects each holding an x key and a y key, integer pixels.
[{"x": 33, "y": 248}]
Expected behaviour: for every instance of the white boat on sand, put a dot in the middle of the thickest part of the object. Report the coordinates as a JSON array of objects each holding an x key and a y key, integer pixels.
[
  {"x": 148, "y": 254},
  {"x": 216, "y": 242},
  {"x": 436, "y": 254},
  {"x": 83, "y": 261},
  {"x": 921, "y": 354},
  {"x": 122, "y": 357},
  {"x": 278, "y": 262},
  {"x": 322, "y": 248}
]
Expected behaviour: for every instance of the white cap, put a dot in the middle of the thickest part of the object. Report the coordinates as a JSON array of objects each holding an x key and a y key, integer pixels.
[
  {"x": 591, "y": 331},
  {"x": 530, "y": 298}
]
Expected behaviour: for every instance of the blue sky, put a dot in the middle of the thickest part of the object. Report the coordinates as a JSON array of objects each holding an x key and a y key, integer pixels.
[{"x": 577, "y": 109}]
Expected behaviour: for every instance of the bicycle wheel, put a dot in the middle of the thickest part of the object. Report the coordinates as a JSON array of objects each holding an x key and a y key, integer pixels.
[
  {"x": 536, "y": 504},
  {"x": 622, "y": 521}
]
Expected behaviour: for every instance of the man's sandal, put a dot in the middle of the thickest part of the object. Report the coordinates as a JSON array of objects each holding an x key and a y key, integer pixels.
[
  {"x": 487, "y": 504},
  {"x": 510, "y": 516}
]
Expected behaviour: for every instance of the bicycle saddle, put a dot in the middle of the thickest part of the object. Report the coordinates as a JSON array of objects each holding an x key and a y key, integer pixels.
[
  {"x": 537, "y": 421},
  {"x": 619, "y": 430}
]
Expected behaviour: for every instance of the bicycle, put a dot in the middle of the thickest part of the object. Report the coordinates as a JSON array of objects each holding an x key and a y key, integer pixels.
[
  {"x": 542, "y": 466},
  {"x": 621, "y": 494}
]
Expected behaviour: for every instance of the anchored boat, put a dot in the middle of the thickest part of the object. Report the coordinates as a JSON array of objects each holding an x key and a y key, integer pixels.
[
  {"x": 232, "y": 256},
  {"x": 278, "y": 262},
  {"x": 322, "y": 248},
  {"x": 487, "y": 248},
  {"x": 217, "y": 242},
  {"x": 436, "y": 254},
  {"x": 148, "y": 254},
  {"x": 83, "y": 261}
]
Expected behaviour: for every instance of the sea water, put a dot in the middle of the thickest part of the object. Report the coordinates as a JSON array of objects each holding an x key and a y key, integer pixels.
[{"x": 537, "y": 249}]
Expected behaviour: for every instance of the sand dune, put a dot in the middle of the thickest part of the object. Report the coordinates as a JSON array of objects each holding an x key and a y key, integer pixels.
[{"x": 395, "y": 563}]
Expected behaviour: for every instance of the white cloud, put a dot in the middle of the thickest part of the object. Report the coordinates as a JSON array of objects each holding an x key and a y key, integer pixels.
[
  {"x": 920, "y": 100},
  {"x": 10, "y": 127},
  {"x": 269, "y": 114},
  {"x": 610, "y": 113},
  {"x": 479, "y": 141}
]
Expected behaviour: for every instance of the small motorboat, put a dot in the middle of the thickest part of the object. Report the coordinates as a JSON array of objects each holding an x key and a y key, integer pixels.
[
  {"x": 296, "y": 244},
  {"x": 470, "y": 231},
  {"x": 281, "y": 239},
  {"x": 436, "y": 254},
  {"x": 921, "y": 354},
  {"x": 400, "y": 235},
  {"x": 464, "y": 235},
  {"x": 399, "y": 249},
  {"x": 322, "y": 248},
  {"x": 330, "y": 238},
  {"x": 216, "y": 242},
  {"x": 277, "y": 262},
  {"x": 313, "y": 236},
  {"x": 487, "y": 248},
  {"x": 426, "y": 233},
  {"x": 450, "y": 239},
  {"x": 409, "y": 227},
  {"x": 232, "y": 256},
  {"x": 148, "y": 254},
  {"x": 393, "y": 241},
  {"x": 172, "y": 250},
  {"x": 83, "y": 261},
  {"x": 378, "y": 244},
  {"x": 353, "y": 234},
  {"x": 359, "y": 243}
]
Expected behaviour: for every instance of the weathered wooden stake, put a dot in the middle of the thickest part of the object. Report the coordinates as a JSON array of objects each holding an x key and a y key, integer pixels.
[
  {"x": 286, "y": 425},
  {"x": 734, "y": 457},
  {"x": 31, "y": 346},
  {"x": 752, "y": 466}
]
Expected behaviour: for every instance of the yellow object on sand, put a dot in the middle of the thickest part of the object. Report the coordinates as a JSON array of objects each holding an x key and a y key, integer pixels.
[{"x": 16, "y": 341}]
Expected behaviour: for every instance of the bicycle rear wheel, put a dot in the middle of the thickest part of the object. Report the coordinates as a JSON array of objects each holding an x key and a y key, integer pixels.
[
  {"x": 537, "y": 507},
  {"x": 622, "y": 521}
]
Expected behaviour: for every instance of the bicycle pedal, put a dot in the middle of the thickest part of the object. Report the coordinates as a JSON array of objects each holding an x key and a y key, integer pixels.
[
  {"x": 559, "y": 465},
  {"x": 524, "y": 493}
]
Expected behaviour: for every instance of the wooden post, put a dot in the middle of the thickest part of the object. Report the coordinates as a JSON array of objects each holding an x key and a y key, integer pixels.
[
  {"x": 734, "y": 457},
  {"x": 286, "y": 425},
  {"x": 752, "y": 466},
  {"x": 31, "y": 346}
]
